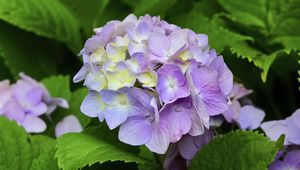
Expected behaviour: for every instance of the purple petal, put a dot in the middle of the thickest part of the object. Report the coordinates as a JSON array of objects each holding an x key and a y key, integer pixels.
[
  {"x": 68, "y": 124},
  {"x": 33, "y": 124},
  {"x": 296, "y": 118},
  {"x": 14, "y": 111},
  {"x": 274, "y": 129},
  {"x": 292, "y": 132},
  {"x": 278, "y": 165},
  {"x": 80, "y": 76},
  {"x": 179, "y": 119},
  {"x": 135, "y": 131},
  {"x": 187, "y": 147},
  {"x": 38, "y": 109},
  {"x": 160, "y": 138},
  {"x": 233, "y": 112},
  {"x": 239, "y": 91},
  {"x": 92, "y": 104},
  {"x": 178, "y": 40},
  {"x": 250, "y": 117},
  {"x": 206, "y": 83},
  {"x": 225, "y": 77},
  {"x": 159, "y": 44},
  {"x": 34, "y": 95},
  {"x": 293, "y": 158},
  {"x": 171, "y": 83}
]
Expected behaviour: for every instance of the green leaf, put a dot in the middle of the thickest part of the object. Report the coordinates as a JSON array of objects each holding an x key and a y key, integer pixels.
[
  {"x": 153, "y": 7},
  {"x": 58, "y": 86},
  {"x": 46, "y": 159},
  {"x": 48, "y": 18},
  {"x": 75, "y": 102},
  {"x": 75, "y": 151},
  {"x": 16, "y": 151},
  {"x": 260, "y": 59},
  {"x": 239, "y": 150},
  {"x": 26, "y": 52},
  {"x": 86, "y": 12},
  {"x": 251, "y": 13},
  {"x": 219, "y": 38}
]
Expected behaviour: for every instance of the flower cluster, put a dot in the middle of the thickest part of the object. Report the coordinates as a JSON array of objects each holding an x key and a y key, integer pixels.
[
  {"x": 291, "y": 129},
  {"x": 289, "y": 161},
  {"x": 155, "y": 80},
  {"x": 241, "y": 110},
  {"x": 25, "y": 101},
  {"x": 289, "y": 126}
]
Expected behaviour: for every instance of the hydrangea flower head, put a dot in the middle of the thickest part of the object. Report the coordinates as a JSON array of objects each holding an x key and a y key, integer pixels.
[
  {"x": 25, "y": 101},
  {"x": 155, "y": 80}
]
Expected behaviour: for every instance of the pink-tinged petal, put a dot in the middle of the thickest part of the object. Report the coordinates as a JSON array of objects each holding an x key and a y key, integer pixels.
[
  {"x": 160, "y": 138},
  {"x": 293, "y": 158},
  {"x": 178, "y": 40},
  {"x": 225, "y": 77},
  {"x": 171, "y": 83},
  {"x": 68, "y": 124},
  {"x": 14, "y": 111},
  {"x": 250, "y": 117},
  {"x": 80, "y": 76},
  {"x": 135, "y": 131},
  {"x": 239, "y": 91},
  {"x": 33, "y": 124},
  {"x": 159, "y": 44},
  {"x": 233, "y": 112},
  {"x": 274, "y": 129},
  {"x": 92, "y": 105}
]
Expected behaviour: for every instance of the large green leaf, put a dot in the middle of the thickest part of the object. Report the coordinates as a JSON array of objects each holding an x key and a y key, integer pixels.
[
  {"x": 47, "y": 18},
  {"x": 251, "y": 13},
  {"x": 75, "y": 151},
  {"x": 86, "y": 12},
  {"x": 15, "y": 149},
  {"x": 23, "y": 51},
  {"x": 239, "y": 150},
  {"x": 46, "y": 159},
  {"x": 260, "y": 59}
]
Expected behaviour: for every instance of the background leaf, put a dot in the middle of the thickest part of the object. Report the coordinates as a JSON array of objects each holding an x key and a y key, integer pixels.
[
  {"x": 25, "y": 52},
  {"x": 46, "y": 159},
  {"x": 16, "y": 151},
  {"x": 78, "y": 150},
  {"x": 47, "y": 18},
  {"x": 86, "y": 13},
  {"x": 239, "y": 150}
]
